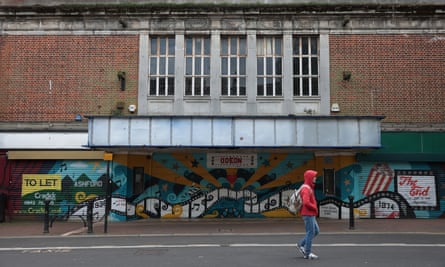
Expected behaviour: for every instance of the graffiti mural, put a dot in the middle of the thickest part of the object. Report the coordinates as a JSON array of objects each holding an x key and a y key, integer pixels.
[
  {"x": 67, "y": 186},
  {"x": 226, "y": 185},
  {"x": 219, "y": 185}
]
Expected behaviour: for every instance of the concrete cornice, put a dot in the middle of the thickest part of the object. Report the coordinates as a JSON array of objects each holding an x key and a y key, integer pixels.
[{"x": 134, "y": 7}]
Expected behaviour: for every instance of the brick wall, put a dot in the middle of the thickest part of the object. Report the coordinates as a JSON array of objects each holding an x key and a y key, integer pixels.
[
  {"x": 399, "y": 76},
  {"x": 53, "y": 78}
]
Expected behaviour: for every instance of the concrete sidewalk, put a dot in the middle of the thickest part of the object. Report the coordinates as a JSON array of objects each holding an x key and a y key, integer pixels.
[{"x": 23, "y": 227}]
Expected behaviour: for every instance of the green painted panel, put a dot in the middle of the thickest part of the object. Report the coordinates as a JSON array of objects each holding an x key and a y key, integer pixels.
[
  {"x": 412, "y": 146},
  {"x": 412, "y": 143},
  {"x": 434, "y": 142}
]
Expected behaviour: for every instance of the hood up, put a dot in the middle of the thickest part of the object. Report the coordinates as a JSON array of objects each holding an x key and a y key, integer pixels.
[{"x": 309, "y": 177}]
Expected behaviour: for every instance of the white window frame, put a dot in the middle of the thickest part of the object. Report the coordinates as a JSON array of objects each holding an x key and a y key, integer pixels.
[
  {"x": 239, "y": 74},
  {"x": 198, "y": 79},
  {"x": 310, "y": 88},
  {"x": 266, "y": 49}
]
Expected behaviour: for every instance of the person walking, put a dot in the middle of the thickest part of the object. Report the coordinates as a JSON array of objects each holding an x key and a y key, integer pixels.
[{"x": 309, "y": 211}]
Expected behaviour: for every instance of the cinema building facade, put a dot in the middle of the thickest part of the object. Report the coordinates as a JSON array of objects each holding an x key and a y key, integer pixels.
[{"x": 200, "y": 110}]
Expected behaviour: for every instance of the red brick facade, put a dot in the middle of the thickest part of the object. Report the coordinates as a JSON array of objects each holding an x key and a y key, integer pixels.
[
  {"x": 53, "y": 78},
  {"x": 398, "y": 76}
]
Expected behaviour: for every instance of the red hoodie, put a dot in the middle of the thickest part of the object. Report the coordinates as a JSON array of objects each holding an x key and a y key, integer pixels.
[{"x": 309, "y": 207}]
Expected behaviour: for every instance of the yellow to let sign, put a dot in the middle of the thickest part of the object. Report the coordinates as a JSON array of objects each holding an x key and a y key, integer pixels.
[
  {"x": 108, "y": 156},
  {"x": 37, "y": 182}
]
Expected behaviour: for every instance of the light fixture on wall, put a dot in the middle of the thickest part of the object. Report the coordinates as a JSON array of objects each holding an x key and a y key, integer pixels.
[
  {"x": 335, "y": 107},
  {"x": 347, "y": 75},
  {"x": 78, "y": 117},
  {"x": 132, "y": 108},
  {"x": 121, "y": 75}
]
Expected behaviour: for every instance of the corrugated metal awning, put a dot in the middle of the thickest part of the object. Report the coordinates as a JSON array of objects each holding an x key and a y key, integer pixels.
[{"x": 234, "y": 132}]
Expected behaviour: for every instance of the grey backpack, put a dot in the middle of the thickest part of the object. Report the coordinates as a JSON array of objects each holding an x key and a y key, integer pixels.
[{"x": 295, "y": 202}]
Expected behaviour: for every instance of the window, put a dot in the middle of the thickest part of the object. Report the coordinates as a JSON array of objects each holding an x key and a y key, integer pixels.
[
  {"x": 269, "y": 66},
  {"x": 138, "y": 180},
  {"x": 233, "y": 66},
  {"x": 329, "y": 182},
  {"x": 197, "y": 66},
  {"x": 305, "y": 66},
  {"x": 162, "y": 66}
]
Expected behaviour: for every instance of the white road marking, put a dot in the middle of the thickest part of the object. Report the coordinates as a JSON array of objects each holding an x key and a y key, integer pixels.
[{"x": 70, "y": 248}]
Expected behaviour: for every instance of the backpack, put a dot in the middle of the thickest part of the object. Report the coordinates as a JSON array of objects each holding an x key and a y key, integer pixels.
[{"x": 295, "y": 202}]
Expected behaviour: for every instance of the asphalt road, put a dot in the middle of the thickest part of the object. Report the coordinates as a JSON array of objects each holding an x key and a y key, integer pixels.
[{"x": 226, "y": 249}]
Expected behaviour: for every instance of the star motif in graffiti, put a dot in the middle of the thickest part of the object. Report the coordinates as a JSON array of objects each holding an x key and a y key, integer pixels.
[
  {"x": 175, "y": 166},
  {"x": 290, "y": 165},
  {"x": 195, "y": 163}
]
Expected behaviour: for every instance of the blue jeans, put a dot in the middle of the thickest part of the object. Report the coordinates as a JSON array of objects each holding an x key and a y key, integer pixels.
[{"x": 312, "y": 231}]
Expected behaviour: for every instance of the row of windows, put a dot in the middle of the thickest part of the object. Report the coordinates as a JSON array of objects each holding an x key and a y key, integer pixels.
[{"x": 233, "y": 56}]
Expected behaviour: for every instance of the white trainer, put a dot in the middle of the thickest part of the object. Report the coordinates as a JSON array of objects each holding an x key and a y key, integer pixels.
[{"x": 311, "y": 256}]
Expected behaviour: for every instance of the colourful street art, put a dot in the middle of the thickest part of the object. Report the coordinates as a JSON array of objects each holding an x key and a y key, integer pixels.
[{"x": 225, "y": 185}]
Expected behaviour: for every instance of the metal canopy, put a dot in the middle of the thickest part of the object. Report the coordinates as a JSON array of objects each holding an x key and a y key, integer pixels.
[{"x": 234, "y": 132}]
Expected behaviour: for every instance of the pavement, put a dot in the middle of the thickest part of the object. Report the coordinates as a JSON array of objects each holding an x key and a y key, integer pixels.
[{"x": 24, "y": 227}]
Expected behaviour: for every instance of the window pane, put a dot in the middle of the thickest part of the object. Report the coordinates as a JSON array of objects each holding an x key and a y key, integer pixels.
[
  {"x": 162, "y": 46},
  {"x": 278, "y": 46},
  {"x": 207, "y": 46},
  {"x": 314, "y": 86},
  {"x": 197, "y": 66},
  {"x": 314, "y": 66},
  {"x": 206, "y": 66},
  {"x": 171, "y": 86},
  {"x": 188, "y": 46},
  {"x": 269, "y": 66},
  {"x": 161, "y": 86},
  {"x": 305, "y": 66},
  {"x": 233, "y": 69},
  {"x": 171, "y": 65},
  {"x": 260, "y": 86},
  {"x": 224, "y": 86},
  {"x": 197, "y": 86},
  {"x": 304, "y": 46},
  {"x": 242, "y": 86},
  {"x": 153, "y": 65},
  {"x": 260, "y": 66},
  {"x": 171, "y": 46},
  {"x": 154, "y": 46},
  {"x": 242, "y": 46},
  {"x": 278, "y": 90},
  {"x": 162, "y": 66},
  {"x": 224, "y": 46},
  {"x": 314, "y": 46},
  {"x": 233, "y": 87},
  {"x": 259, "y": 46},
  {"x": 198, "y": 46},
  {"x": 234, "y": 46},
  {"x": 188, "y": 86},
  {"x": 278, "y": 68},
  {"x": 305, "y": 86},
  {"x": 269, "y": 46},
  {"x": 206, "y": 86},
  {"x": 188, "y": 66},
  {"x": 296, "y": 87},
  {"x": 224, "y": 66},
  {"x": 242, "y": 66},
  {"x": 269, "y": 86},
  {"x": 296, "y": 66},
  {"x": 152, "y": 86},
  {"x": 296, "y": 46}
]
